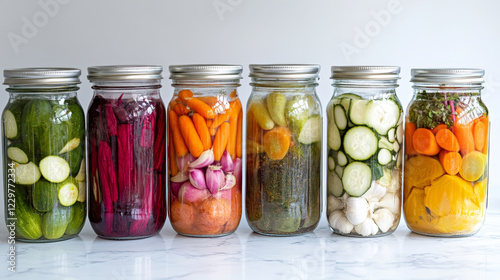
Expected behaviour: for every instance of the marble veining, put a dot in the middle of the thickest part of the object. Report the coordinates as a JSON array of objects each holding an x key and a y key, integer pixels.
[{"x": 246, "y": 255}]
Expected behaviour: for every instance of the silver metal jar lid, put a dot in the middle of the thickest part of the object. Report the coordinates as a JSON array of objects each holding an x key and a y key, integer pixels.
[
  {"x": 213, "y": 72},
  {"x": 42, "y": 76},
  {"x": 447, "y": 75},
  {"x": 125, "y": 73},
  {"x": 377, "y": 73},
  {"x": 284, "y": 71}
]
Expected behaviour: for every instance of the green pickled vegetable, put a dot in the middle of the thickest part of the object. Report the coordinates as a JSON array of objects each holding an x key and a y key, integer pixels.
[
  {"x": 28, "y": 221},
  {"x": 44, "y": 195},
  {"x": 55, "y": 222},
  {"x": 77, "y": 219}
]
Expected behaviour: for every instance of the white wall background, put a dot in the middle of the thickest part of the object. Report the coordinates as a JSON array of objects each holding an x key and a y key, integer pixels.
[{"x": 424, "y": 33}]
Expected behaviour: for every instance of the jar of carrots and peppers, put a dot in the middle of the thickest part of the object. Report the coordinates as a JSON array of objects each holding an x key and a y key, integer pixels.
[
  {"x": 283, "y": 141},
  {"x": 205, "y": 149},
  {"x": 446, "y": 153}
]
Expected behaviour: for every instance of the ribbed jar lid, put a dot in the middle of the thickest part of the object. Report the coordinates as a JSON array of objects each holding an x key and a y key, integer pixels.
[
  {"x": 284, "y": 71},
  {"x": 378, "y": 73},
  {"x": 45, "y": 76},
  {"x": 447, "y": 75},
  {"x": 214, "y": 72},
  {"x": 125, "y": 73}
]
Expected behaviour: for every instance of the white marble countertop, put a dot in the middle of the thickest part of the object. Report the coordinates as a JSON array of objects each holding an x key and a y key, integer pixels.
[{"x": 246, "y": 255}]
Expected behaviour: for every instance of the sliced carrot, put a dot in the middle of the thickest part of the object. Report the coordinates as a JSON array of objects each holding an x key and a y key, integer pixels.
[
  {"x": 239, "y": 143},
  {"x": 231, "y": 143},
  {"x": 220, "y": 140},
  {"x": 479, "y": 135},
  {"x": 277, "y": 142},
  {"x": 409, "y": 130},
  {"x": 438, "y": 128},
  {"x": 173, "y": 122},
  {"x": 451, "y": 161},
  {"x": 425, "y": 143},
  {"x": 486, "y": 123},
  {"x": 202, "y": 129},
  {"x": 181, "y": 109},
  {"x": 185, "y": 95},
  {"x": 171, "y": 156},
  {"x": 465, "y": 137},
  {"x": 201, "y": 108},
  {"x": 447, "y": 140},
  {"x": 190, "y": 136}
]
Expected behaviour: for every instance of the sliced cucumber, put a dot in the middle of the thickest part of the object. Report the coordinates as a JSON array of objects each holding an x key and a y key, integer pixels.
[
  {"x": 396, "y": 146},
  {"x": 80, "y": 177},
  {"x": 350, "y": 96},
  {"x": 311, "y": 131},
  {"x": 399, "y": 133},
  {"x": 357, "y": 111},
  {"x": 18, "y": 152},
  {"x": 10, "y": 124},
  {"x": 341, "y": 158},
  {"x": 334, "y": 140},
  {"x": 339, "y": 170},
  {"x": 68, "y": 192},
  {"x": 26, "y": 174},
  {"x": 391, "y": 135},
  {"x": 382, "y": 115},
  {"x": 54, "y": 168},
  {"x": 385, "y": 144},
  {"x": 340, "y": 117},
  {"x": 346, "y": 103},
  {"x": 335, "y": 185},
  {"x": 82, "y": 194},
  {"x": 357, "y": 178},
  {"x": 360, "y": 143},
  {"x": 384, "y": 156},
  {"x": 331, "y": 164},
  {"x": 71, "y": 145}
]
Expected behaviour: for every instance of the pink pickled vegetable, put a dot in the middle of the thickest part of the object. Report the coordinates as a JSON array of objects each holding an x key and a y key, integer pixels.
[
  {"x": 111, "y": 120},
  {"x": 125, "y": 160},
  {"x": 159, "y": 146},
  {"x": 227, "y": 162},
  {"x": 189, "y": 193},
  {"x": 205, "y": 159},
  {"x": 148, "y": 129},
  {"x": 237, "y": 171},
  {"x": 230, "y": 182},
  {"x": 214, "y": 178},
  {"x": 197, "y": 178},
  {"x": 106, "y": 170}
]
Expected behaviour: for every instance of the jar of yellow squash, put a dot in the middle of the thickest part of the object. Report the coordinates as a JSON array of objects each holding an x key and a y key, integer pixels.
[{"x": 446, "y": 153}]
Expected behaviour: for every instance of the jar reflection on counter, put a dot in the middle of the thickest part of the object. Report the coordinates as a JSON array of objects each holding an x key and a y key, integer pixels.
[{"x": 126, "y": 152}]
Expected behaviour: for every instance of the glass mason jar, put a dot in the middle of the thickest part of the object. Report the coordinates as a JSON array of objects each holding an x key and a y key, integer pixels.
[
  {"x": 446, "y": 153},
  {"x": 284, "y": 137},
  {"x": 44, "y": 154},
  {"x": 126, "y": 152},
  {"x": 205, "y": 150},
  {"x": 365, "y": 136}
]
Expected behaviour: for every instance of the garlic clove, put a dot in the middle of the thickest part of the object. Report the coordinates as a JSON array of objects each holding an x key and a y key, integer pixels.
[
  {"x": 227, "y": 162},
  {"x": 375, "y": 192},
  {"x": 356, "y": 210},
  {"x": 333, "y": 204},
  {"x": 180, "y": 177},
  {"x": 390, "y": 201},
  {"x": 230, "y": 182},
  {"x": 183, "y": 162},
  {"x": 205, "y": 159},
  {"x": 338, "y": 221},
  {"x": 367, "y": 227},
  {"x": 384, "y": 219},
  {"x": 214, "y": 178},
  {"x": 395, "y": 185}
]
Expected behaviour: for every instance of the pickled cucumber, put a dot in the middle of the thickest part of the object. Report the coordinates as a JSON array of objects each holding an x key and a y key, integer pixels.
[{"x": 276, "y": 104}]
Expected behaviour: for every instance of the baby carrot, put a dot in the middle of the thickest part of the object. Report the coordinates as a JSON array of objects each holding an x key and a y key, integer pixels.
[
  {"x": 181, "y": 109},
  {"x": 210, "y": 100},
  {"x": 201, "y": 108},
  {"x": 465, "y": 137},
  {"x": 451, "y": 161},
  {"x": 277, "y": 142},
  {"x": 212, "y": 131},
  {"x": 234, "y": 109},
  {"x": 447, "y": 140},
  {"x": 220, "y": 140},
  {"x": 171, "y": 156},
  {"x": 239, "y": 148},
  {"x": 478, "y": 132},
  {"x": 409, "y": 130},
  {"x": 190, "y": 136},
  {"x": 185, "y": 95},
  {"x": 438, "y": 128},
  {"x": 425, "y": 143},
  {"x": 180, "y": 147},
  {"x": 231, "y": 143},
  {"x": 202, "y": 129},
  {"x": 486, "y": 123}
]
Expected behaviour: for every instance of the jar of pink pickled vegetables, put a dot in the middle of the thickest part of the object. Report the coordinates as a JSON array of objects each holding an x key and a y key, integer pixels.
[
  {"x": 126, "y": 152},
  {"x": 205, "y": 149}
]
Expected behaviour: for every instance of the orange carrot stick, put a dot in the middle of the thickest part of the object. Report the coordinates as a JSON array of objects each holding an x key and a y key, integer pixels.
[
  {"x": 438, "y": 128},
  {"x": 231, "y": 143},
  {"x": 409, "y": 130},
  {"x": 486, "y": 123},
  {"x": 181, "y": 109},
  {"x": 201, "y": 108},
  {"x": 210, "y": 100},
  {"x": 220, "y": 140},
  {"x": 173, "y": 122},
  {"x": 185, "y": 95},
  {"x": 234, "y": 110},
  {"x": 447, "y": 140},
  {"x": 451, "y": 161},
  {"x": 212, "y": 131},
  {"x": 171, "y": 156},
  {"x": 465, "y": 137},
  {"x": 239, "y": 138},
  {"x": 190, "y": 136},
  {"x": 425, "y": 143},
  {"x": 202, "y": 129},
  {"x": 479, "y": 134}
]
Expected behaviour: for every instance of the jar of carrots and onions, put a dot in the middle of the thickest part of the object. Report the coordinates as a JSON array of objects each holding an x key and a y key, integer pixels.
[
  {"x": 283, "y": 141},
  {"x": 446, "y": 153},
  {"x": 205, "y": 150}
]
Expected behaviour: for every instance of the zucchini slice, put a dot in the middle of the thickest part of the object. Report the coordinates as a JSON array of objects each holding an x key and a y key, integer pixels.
[
  {"x": 333, "y": 137},
  {"x": 68, "y": 192},
  {"x": 358, "y": 110},
  {"x": 311, "y": 131},
  {"x": 360, "y": 143},
  {"x": 18, "y": 153},
  {"x": 357, "y": 178},
  {"x": 26, "y": 174},
  {"x": 341, "y": 159},
  {"x": 335, "y": 184},
  {"x": 331, "y": 164},
  {"x": 385, "y": 144},
  {"x": 340, "y": 117},
  {"x": 54, "y": 168},
  {"x": 346, "y": 103},
  {"x": 350, "y": 96},
  {"x": 339, "y": 170},
  {"x": 382, "y": 115},
  {"x": 10, "y": 124},
  {"x": 391, "y": 135},
  {"x": 384, "y": 156}
]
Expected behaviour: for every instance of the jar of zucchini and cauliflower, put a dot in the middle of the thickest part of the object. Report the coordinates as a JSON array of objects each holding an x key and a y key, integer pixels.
[
  {"x": 43, "y": 129},
  {"x": 446, "y": 153},
  {"x": 283, "y": 146},
  {"x": 365, "y": 137}
]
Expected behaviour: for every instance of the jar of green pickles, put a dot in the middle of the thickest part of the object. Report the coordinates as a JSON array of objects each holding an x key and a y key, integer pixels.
[
  {"x": 365, "y": 138},
  {"x": 44, "y": 154},
  {"x": 283, "y": 146}
]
